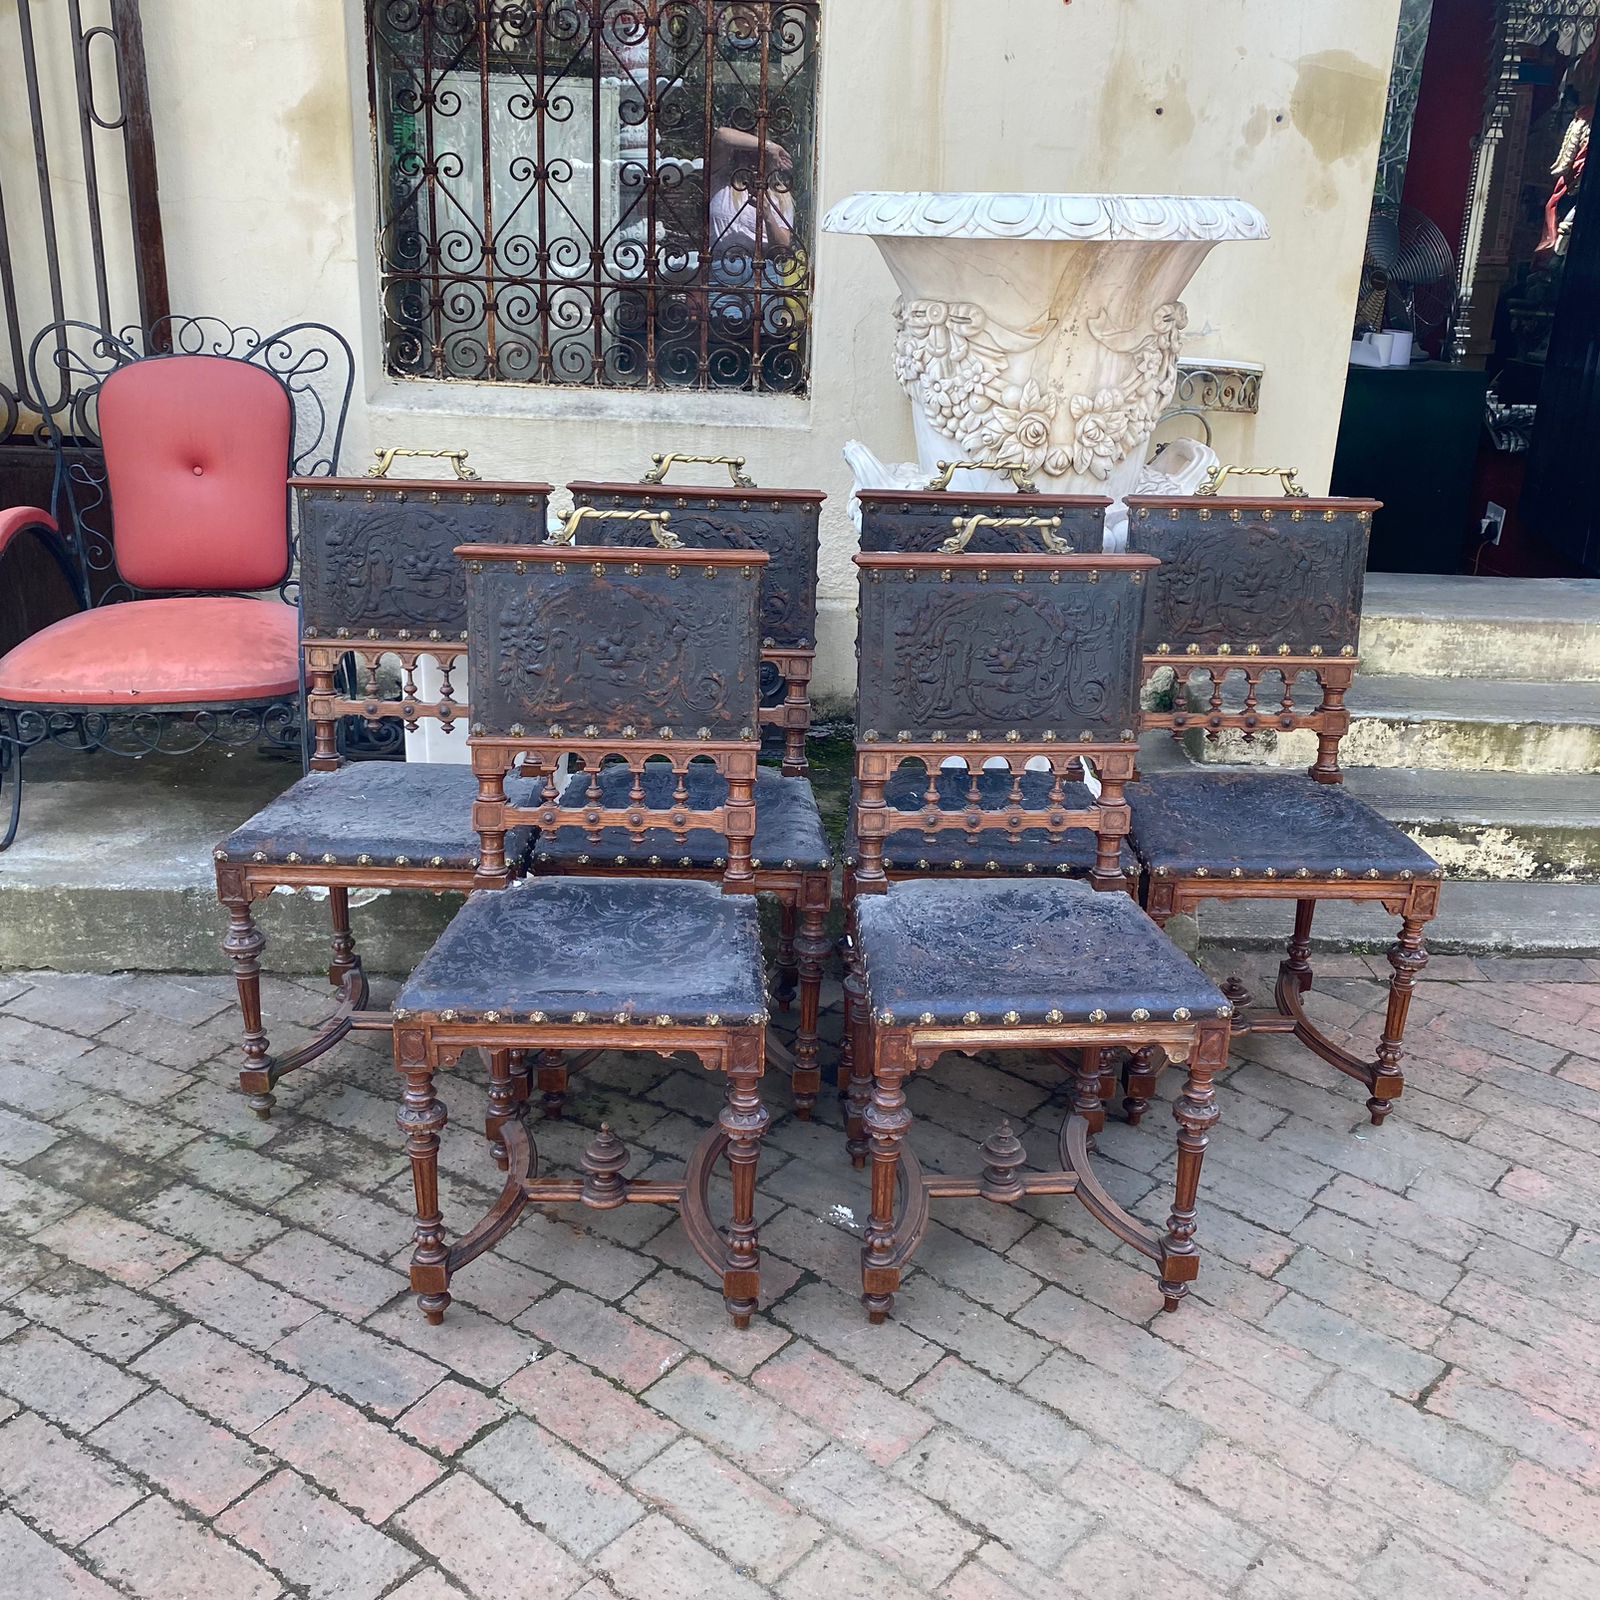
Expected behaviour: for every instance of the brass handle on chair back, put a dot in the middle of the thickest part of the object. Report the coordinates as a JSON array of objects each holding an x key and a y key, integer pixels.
[
  {"x": 965, "y": 527},
  {"x": 657, "y": 521},
  {"x": 456, "y": 458},
  {"x": 734, "y": 464},
  {"x": 1286, "y": 475},
  {"x": 1013, "y": 469}
]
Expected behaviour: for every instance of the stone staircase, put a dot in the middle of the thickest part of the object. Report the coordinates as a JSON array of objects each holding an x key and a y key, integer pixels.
[{"x": 1476, "y": 727}]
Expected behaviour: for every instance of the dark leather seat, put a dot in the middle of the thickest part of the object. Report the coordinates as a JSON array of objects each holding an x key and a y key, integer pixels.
[
  {"x": 1043, "y": 950},
  {"x": 1026, "y": 850},
  {"x": 788, "y": 826},
  {"x": 375, "y": 813},
  {"x": 583, "y": 949},
  {"x": 1255, "y": 825}
]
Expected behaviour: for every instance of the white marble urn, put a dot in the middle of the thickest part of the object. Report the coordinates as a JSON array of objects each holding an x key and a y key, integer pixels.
[{"x": 1038, "y": 330}]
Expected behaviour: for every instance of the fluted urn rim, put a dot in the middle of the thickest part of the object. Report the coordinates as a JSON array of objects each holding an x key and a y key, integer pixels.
[{"x": 1152, "y": 218}]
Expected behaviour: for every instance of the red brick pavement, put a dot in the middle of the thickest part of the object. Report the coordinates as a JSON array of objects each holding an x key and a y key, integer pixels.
[{"x": 212, "y": 1382}]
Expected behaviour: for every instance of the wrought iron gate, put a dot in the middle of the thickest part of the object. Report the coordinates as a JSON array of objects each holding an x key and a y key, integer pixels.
[{"x": 83, "y": 237}]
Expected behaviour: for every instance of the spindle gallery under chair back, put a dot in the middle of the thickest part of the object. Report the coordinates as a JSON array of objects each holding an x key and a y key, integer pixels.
[
  {"x": 742, "y": 516},
  {"x": 1252, "y": 595},
  {"x": 1020, "y": 661},
  {"x": 614, "y": 656}
]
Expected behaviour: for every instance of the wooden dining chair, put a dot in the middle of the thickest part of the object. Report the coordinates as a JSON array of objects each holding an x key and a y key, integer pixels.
[
  {"x": 632, "y": 660},
  {"x": 792, "y": 858},
  {"x": 382, "y": 597},
  {"x": 1252, "y": 627},
  {"x": 1030, "y": 661}
]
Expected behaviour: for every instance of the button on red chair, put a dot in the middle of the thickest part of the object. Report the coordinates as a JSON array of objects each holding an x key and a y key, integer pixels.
[{"x": 176, "y": 542}]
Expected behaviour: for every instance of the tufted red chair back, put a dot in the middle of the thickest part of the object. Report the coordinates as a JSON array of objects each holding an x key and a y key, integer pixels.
[{"x": 197, "y": 455}]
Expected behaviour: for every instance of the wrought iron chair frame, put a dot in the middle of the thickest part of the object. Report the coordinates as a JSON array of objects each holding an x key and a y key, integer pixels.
[
  {"x": 426, "y": 1043},
  {"x": 1414, "y": 899},
  {"x": 328, "y": 646},
  {"x": 68, "y": 361},
  {"x": 892, "y": 1048}
]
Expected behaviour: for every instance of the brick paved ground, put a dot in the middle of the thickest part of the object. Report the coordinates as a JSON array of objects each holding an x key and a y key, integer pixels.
[{"x": 212, "y": 1384}]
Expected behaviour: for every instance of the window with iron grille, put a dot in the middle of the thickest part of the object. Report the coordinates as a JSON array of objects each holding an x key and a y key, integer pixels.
[{"x": 601, "y": 193}]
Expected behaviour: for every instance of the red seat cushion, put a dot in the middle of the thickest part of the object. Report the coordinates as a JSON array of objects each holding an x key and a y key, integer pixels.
[{"x": 159, "y": 652}]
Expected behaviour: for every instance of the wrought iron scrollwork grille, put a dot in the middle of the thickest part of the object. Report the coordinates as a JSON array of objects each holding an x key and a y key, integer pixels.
[{"x": 599, "y": 193}]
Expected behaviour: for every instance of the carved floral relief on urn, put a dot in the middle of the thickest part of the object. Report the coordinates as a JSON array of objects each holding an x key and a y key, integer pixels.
[{"x": 1038, "y": 330}]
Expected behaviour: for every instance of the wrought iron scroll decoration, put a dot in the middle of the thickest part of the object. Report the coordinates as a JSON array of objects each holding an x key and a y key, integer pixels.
[
  {"x": 600, "y": 193},
  {"x": 70, "y": 360}
]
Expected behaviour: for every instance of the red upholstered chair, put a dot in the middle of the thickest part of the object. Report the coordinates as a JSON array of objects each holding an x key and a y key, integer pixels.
[{"x": 172, "y": 521}]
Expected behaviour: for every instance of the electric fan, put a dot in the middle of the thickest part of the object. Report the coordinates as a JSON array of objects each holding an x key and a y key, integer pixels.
[{"x": 1408, "y": 274}]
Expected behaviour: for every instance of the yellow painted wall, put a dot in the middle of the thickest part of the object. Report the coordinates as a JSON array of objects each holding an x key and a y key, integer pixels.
[{"x": 266, "y": 189}]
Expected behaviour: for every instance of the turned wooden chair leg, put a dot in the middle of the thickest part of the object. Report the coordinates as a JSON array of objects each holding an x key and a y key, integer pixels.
[
  {"x": 1298, "y": 959},
  {"x": 503, "y": 1104},
  {"x": 887, "y": 1120},
  {"x": 553, "y": 1084},
  {"x": 744, "y": 1119},
  {"x": 1196, "y": 1114},
  {"x": 421, "y": 1118},
  {"x": 812, "y": 950},
  {"x": 856, "y": 1066},
  {"x": 1408, "y": 956},
  {"x": 1086, "y": 1100},
  {"x": 243, "y": 946},
  {"x": 521, "y": 1080},
  {"x": 783, "y": 991},
  {"x": 345, "y": 960},
  {"x": 1139, "y": 1083}
]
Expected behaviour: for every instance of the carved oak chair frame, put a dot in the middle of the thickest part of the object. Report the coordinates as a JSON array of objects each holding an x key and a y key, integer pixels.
[
  {"x": 920, "y": 708},
  {"x": 379, "y": 583},
  {"x": 934, "y": 521},
  {"x": 783, "y": 523},
  {"x": 606, "y": 716},
  {"x": 924, "y": 521},
  {"x": 1305, "y": 560}
]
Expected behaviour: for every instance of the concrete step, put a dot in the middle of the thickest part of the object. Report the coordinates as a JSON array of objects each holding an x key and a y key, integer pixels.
[
  {"x": 1547, "y": 919},
  {"x": 112, "y": 869},
  {"x": 1415, "y": 624},
  {"x": 1441, "y": 724},
  {"x": 1493, "y": 825}
]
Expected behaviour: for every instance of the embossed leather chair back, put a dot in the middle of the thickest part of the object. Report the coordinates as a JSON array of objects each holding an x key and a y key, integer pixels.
[
  {"x": 781, "y": 522},
  {"x": 614, "y": 655},
  {"x": 912, "y": 520},
  {"x": 1008, "y": 657},
  {"x": 379, "y": 577},
  {"x": 1251, "y": 595}
]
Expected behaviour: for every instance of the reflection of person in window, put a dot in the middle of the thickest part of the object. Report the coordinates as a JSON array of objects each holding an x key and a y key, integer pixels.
[{"x": 736, "y": 211}]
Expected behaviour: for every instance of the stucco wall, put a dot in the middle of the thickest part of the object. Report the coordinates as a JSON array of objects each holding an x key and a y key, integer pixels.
[{"x": 266, "y": 186}]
